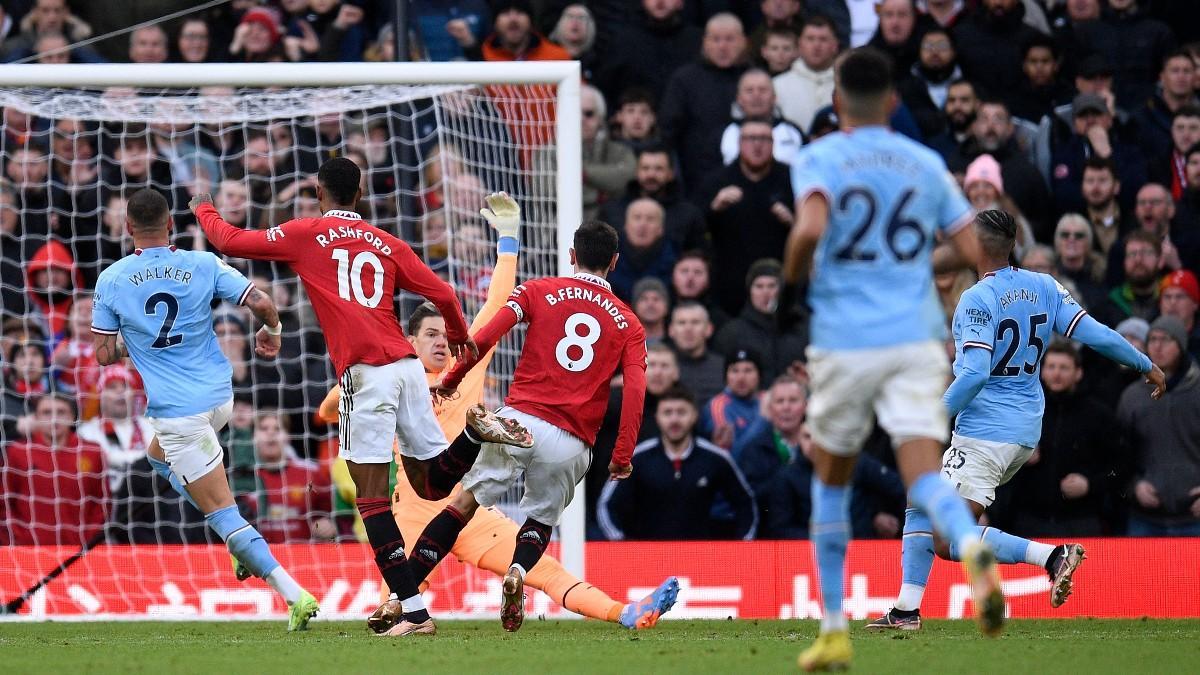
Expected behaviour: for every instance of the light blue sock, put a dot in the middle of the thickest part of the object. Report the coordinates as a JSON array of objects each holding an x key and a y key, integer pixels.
[
  {"x": 1010, "y": 548},
  {"x": 244, "y": 542},
  {"x": 164, "y": 470},
  {"x": 916, "y": 559},
  {"x": 936, "y": 497},
  {"x": 830, "y": 534}
]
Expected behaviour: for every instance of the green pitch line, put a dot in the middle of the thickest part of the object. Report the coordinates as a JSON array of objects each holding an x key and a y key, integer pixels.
[{"x": 692, "y": 647}]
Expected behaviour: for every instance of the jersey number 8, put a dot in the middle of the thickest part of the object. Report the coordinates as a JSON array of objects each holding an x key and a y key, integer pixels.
[{"x": 581, "y": 343}]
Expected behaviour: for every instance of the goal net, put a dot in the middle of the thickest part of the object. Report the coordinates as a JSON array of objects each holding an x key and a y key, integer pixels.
[{"x": 431, "y": 139}]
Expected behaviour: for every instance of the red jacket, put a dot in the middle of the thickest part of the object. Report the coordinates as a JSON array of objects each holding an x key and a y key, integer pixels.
[
  {"x": 53, "y": 254},
  {"x": 292, "y": 495},
  {"x": 527, "y": 109},
  {"x": 53, "y": 495}
]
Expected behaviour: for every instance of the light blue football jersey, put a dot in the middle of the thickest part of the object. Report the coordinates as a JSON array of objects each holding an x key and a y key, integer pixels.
[
  {"x": 1014, "y": 314},
  {"x": 872, "y": 283},
  {"x": 160, "y": 301}
]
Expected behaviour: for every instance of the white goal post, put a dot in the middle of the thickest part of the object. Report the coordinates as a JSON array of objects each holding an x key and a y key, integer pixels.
[{"x": 563, "y": 78}]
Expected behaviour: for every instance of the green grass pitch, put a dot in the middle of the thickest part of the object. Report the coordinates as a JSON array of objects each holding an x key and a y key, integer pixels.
[{"x": 551, "y": 647}]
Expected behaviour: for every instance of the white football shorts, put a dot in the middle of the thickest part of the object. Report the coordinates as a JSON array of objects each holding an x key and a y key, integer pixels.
[
  {"x": 190, "y": 443},
  {"x": 978, "y": 467},
  {"x": 553, "y": 467},
  {"x": 382, "y": 403},
  {"x": 901, "y": 385}
]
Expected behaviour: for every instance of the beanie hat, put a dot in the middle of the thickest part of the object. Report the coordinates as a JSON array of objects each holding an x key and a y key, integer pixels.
[
  {"x": 763, "y": 267},
  {"x": 1133, "y": 327},
  {"x": 265, "y": 17},
  {"x": 1185, "y": 280},
  {"x": 649, "y": 285},
  {"x": 985, "y": 168},
  {"x": 742, "y": 354},
  {"x": 1173, "y": 327}
]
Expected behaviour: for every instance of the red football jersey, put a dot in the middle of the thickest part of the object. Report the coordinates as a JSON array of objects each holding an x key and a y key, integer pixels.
[
  {"x": 293, "y": 496},
  {"x": 351, "y": 271},
  {"x": 579, "y": 335}
]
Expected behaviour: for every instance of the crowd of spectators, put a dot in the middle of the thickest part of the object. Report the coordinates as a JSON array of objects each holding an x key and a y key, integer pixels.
[{"x": 1079, "y": 117}]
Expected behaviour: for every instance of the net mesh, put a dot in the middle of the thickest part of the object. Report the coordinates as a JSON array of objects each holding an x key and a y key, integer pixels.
[{"x": 71, "y": 158}]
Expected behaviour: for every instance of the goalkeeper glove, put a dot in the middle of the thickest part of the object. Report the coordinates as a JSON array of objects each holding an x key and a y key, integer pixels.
[{"x": 503, "y": 214}]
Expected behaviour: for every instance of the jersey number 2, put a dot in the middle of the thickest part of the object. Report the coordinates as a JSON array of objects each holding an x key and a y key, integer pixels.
[
  {"x": 164, "y": 339},
  {"x": 349, "y": 276},
  {"x": 583, "y": 343}
]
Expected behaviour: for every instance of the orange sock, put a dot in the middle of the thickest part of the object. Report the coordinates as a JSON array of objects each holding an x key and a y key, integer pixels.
[{"x": 566, "y": 589}]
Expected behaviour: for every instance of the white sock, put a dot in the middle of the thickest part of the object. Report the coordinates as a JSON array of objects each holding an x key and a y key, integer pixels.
[
  {"x": 520, "y": 569},
  {"x": 1038, "y": 553},
  {"x": 834, "y": 621},
  {"x": 285, "y": 585},
  {"x": 413, "y": 604},
  {"x": 967, "y": 539},
  {"x": 910, "y": 597}
]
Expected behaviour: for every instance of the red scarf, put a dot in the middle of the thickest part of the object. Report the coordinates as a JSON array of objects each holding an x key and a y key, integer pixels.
[
  {"x": 1178, "y": 175},
  {"x": 136, "y": 440}
]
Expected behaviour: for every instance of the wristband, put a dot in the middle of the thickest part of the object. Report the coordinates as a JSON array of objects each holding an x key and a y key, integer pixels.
[{"x": 275, "y": 332}]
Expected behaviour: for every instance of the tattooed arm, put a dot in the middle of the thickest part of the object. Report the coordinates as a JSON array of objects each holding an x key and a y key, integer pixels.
[{"x": 109, "y": 348}]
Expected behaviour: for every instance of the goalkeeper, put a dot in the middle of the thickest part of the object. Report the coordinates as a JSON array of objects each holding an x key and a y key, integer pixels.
[{"x": 488, "y": 539}]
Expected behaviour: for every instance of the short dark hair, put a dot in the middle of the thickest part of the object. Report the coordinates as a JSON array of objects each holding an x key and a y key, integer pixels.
[
  {"x": 865, "y": 72},
  {"x": 1039, "y": 40},
  {"x": 677, "y": 392},
  {"x": 1187, "y": 110},
  {"x": 340, "y": 178},
  {"x": 695, "y": 254},
  {"x": 595, "y": 245},
  {"x": 1144, "y": 237},
  {"x": 783, "y": 32},
  {"x": 423, "y": 311},
  {"x": 62, "y": 398},
  {"x": 997, "y": 231},
  {"x": 1191, "y": 151},
  {"x": 148, "y": 210},
  {"x": 1098, "y": 163},
  {"x": 636, "y": 94},
  {"x": 655, "y": 149},
  {"x": 819, "y": 21},
  {"x": 690, "y": 304},
  {"x": 1178, "y": 53},
  {"x": 1065, "y": 348}
]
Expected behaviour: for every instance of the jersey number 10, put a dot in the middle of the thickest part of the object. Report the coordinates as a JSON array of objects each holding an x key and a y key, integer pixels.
[{"x": 349, "y": 276}]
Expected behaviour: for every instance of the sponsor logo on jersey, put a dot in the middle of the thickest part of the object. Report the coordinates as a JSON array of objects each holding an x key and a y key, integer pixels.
[
  {"x": 531, "y": 535},
  {"x": 275, "y": 233}
]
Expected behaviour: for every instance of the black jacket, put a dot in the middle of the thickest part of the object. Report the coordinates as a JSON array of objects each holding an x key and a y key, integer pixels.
[
  {"x": 1022, "y": 181},
  {"x": 694, "y": 110},
  {"x": 760, "y": 332},
  {"x": 989, "y": 49},
  {"x": 1135, "y": 44},
  {"x": 745, "y": 231},
  {"x": 644, "y": 53},
  {"x": 664, "y": 500}
]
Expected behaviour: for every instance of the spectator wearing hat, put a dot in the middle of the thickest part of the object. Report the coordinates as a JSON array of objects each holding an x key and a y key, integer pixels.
[
  {"x": 1092, "y": 135},
  {"x": 1164, "y": 436},
  {"x": 651, "y": 304},
  {"x": 1179, "y": 296},
  {"x": 654, "y": 177},
  {"x": 1138, "y": 295},
  {"x": 1063, "y": 486},
  {"x": 513, "y": 37},
  {"x": 701, "y": 370},
  {"x": 1175, "y": 90},
  {"x": 757, "y": 324},
  {"x": 645, "y": 251},
  {"x": 731, "y": 412},
  {"x": 1136, "y": 43},
  {"x": 984, "y": 187},
  {"x": 756, "y": 99},
  {"x": 1106, "y": 379},
  {"x": 808, "y": 85},
  {"x": 677, "y": 479},
  {"x": 748, "y": 207},
  {"x": 257, "y": 38}
]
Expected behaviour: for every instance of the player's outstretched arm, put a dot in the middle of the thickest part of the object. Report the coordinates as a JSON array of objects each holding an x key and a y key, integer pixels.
[
  {"x": 269, "y": 244},
  {"x": 266, "y": 341},
  {"x": 486, "y": 340},
  {"x": 109, "y": 348},
  {"x": 413, "y": 275},
  {"x": 812, "y": 217},
  {"x": 976, "y": 365},
  {"x": 1116, "y": 348}
]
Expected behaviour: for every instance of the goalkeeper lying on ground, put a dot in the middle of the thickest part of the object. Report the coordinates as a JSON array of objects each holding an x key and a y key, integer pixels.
[{"x": 487, "y": 542}]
